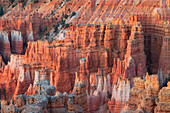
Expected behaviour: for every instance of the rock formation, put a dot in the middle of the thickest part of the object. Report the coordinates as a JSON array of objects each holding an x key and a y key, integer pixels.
[
  {"x": 143, "y": 95},
  {"x": 46, "y": 100},
  {"x": 120, "y": 95},
  {"x": 89, "y": 51},
  {"x": 16, "y": 42},
  {"x": 162, "y": 101},
  {"x": 100, "y": 87},
  {"x": 5, "y": 45}
]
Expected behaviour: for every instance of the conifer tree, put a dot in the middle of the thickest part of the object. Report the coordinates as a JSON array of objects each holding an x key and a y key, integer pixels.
[{"x": 1, "y": 11}]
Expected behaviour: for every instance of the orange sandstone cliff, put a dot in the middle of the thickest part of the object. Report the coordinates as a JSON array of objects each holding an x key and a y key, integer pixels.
[{"x": 84, "y": 56}]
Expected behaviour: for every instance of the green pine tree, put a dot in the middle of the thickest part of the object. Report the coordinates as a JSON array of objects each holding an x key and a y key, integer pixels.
[
  {"x": 1, "y": 11},
  {"x": 12, "y": 1}
]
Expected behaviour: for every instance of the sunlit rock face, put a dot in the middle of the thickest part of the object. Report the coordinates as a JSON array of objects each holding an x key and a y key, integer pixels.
[
  {"x": 84, "y": 56},
  {"x": 10, "y": 43},
  {"x": 143, "y": 95},
  {"x": 2, "y": 64},
  {"x": 98, "y": 96},
  {"x": 30, "y": 37},
  {"x": 16, "y": 42},
  {"x": 120, "y": 95},
  {"x": 163, "y": 100},
  {"x": 4, "y": 45}
]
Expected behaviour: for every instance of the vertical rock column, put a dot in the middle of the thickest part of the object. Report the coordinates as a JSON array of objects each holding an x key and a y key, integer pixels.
[
  {"x": 23, "y": 82},
  {"x": 109, "y": 36},
  {"x": 164, "y": 60},
  {"x": 83, "y": 74},
  {"x": 80, "y": 95},
  {"x": 123, "y": 41},
  {"x": 120, "y": 95},
  {"x": 4, "y": 44},
  {"x": 16, "y": 42},
  {"x": 135, "y": 49},
  {"x": 163, "y": 100}
]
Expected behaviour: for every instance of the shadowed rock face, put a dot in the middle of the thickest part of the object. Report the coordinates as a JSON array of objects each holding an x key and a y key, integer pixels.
[
  {"x": 70, "y": 55},
  {"x": 46, "y": 100}
]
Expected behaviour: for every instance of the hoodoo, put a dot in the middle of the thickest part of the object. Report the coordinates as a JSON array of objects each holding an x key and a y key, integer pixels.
[{"x": 91, "y": 56}]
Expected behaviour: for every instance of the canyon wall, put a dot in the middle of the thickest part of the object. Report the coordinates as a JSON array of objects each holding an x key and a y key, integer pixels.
[
  {"x": 91, "y": 56},
  {"x": 147, "y": 97}
]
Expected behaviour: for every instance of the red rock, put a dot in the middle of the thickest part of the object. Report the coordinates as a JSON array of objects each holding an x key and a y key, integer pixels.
[
  {"x": 117, "y": 38},
  {"x": 143, "y": 95},
  {"x": 162, "y": 100},
  {"x": 2, "y": 64},
  {"x": 23, "y": 82},
  {"x": 16, "y": 42},
  {"x": 5, "y": 45},
  {"x": 120, "y": 95}
]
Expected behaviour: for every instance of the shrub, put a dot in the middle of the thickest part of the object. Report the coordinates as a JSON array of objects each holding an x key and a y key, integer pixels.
[
  {"x": 35, "y": 1},
  {"x": 167, "y": 79},
  {"x": 4, "y": 92},
  {"x": 69, "y": 10},
  {"x": 12, "y": 1},
  {"x": 65, "y": 16},
  {"x": 66, "y": 26},
  {"x": 1, "y": 11},
  {"x": 48, "y": 34},
  {"x": 56, "y": 28},
  {"x": 40, "y": 29},
  {"x": 73, "y": 13}
]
